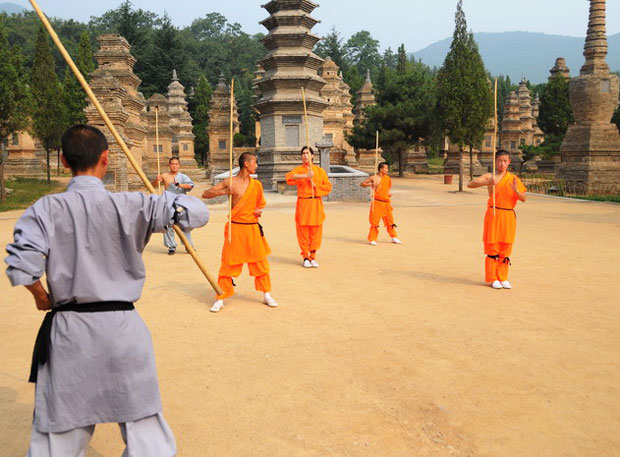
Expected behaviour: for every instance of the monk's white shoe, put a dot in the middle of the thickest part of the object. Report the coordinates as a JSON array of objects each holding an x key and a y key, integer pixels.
[
  {"x": 314, "y": 263},
  {"x": 372, "y": 243},
  {"x": 219, "y": 304},
  {"x": 396, "y": 241},
  {"x": 269, "y": 301},
  {"x": 497, "y": 285},
  {"x": 307, "y": 264},
  {"x": 506, "y": 285}
]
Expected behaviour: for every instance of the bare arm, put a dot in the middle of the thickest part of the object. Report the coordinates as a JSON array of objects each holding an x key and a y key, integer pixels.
[
  {"x": 222, "y": 188},
  {"x": 484, "y": 180},
  {"x": 41, "y": 297},
  {"x": 371, "y": 181}
]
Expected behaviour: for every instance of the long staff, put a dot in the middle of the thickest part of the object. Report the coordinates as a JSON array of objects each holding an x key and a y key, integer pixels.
[
  {"x": 230, "y": 159},
  {"x": 157, "y": 147},
  {"x": 118, "y": 138},
  {"x": 372, "y": 191},
  {"x": 494, "y": 140},
  {"x": 303, "y": 97}
]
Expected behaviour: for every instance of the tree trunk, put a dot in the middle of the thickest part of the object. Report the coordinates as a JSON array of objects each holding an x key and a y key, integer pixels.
[
  {"x": 401, "y": 163},
  {"x": 460, "y": 168},
  {"x": 471, "y": 163},
  {"x": 3, "y": 156},
  {"x": 47, "y": 160}
]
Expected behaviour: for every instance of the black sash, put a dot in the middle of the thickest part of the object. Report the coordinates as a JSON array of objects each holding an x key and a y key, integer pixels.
[
  {"x": 504, "y": 209},
  {"x": 309, "y": 198},
  {"x": 260, "y": 227},
  {"x": 40, "y": 353},
  {"x": 379, "y": 200}
]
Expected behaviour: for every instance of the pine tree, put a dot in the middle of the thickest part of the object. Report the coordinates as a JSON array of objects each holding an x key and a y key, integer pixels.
[
  {"x": 202, "y": 103},
  {"x": 74, "y": 99},
  {"x": 47, "y": 115},
  {"x": 556, "y": 113},
  {"x": 460, "y": 88},
  {"x": 403, "y": 61},
  {"x": 13, "y": 98},
  {"x": 331, "y": 46}
]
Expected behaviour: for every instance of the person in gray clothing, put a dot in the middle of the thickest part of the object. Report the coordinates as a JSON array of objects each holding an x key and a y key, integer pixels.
[
  {"x": 177, "y": 183},
  {"x": 93, "y": 360}
]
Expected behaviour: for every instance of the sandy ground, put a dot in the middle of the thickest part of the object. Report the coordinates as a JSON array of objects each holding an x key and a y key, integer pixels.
[{"x": 382, "y": 351}]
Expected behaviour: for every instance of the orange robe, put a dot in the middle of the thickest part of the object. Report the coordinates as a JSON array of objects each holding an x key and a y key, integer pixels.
[
  {"x": 309, "y": 213},
  {"x": 499, "y": 230},
  {"x": 381, "y": 208},
  {"x": 248, "y": 243}
]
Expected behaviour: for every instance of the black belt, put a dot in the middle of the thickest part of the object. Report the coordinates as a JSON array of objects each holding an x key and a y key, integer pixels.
[
  {"x": 260, "y": 227},
  {"x": 40, "y": 353},
  {"x": 504, "y": 209},
  {"x": 308, "y": 198},
  {"x": 379, "y": 200}
]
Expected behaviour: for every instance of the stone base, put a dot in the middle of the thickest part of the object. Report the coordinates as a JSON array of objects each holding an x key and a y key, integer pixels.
[
  {"x": 346, "y": 184},
  {"x": 275, "y": 163},
  {"x": 24, "y": 167},
  {"x": 366, "y": 160},
  {"x": 591, "y": 159},
  {"x": 451, "y": 164},
  {"x": 415, "y": 161}
]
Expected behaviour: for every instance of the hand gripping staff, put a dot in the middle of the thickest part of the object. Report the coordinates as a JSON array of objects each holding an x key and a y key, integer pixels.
[{"x": 118, "y": 138}]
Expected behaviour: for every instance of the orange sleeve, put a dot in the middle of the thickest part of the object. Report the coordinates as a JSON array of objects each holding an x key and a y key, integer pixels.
[
  {"x": 260, "y": 198},
  {"x": 289, "y": 177},
  {"x": 323, "y": 187}
]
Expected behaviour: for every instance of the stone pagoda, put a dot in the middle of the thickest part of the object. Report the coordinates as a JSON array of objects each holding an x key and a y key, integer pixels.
[
  {"x": 527, "y": 119},
  {"x": 560, "y": 68},
  {"x": 116, "y": 87},
  {"x": 338, "y": 116},
  {"x": 219, "y": 128},
  {"x": 591, "y": 148},
  {"x": 181, "y": 126},
  {"x": 365, "y": 97},
  {"x": 157, "y": 115},
  {"x": 289, "y": 65},
  {"x": 510, "y": 133},
  {"x": 538, "y": 136},
  {"x": 259, "y": 73}
]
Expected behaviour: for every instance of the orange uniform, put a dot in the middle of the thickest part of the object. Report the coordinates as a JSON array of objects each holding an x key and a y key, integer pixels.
[
  {"x": 309, "y": 214},
  {"x": 248, "y": 243},
  {"x": 382, "y": 209},
  {"x": 499, "y": 230}
]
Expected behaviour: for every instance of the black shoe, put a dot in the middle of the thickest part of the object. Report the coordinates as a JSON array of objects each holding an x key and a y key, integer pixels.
[{"x": 171, "y": 251}]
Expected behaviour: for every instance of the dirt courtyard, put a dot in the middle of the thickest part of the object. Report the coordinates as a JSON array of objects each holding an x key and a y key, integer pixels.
[{"x": 386, "y": 351}]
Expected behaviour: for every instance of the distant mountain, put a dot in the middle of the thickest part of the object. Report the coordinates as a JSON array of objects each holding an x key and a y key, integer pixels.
[
  {"x": 11, "y": 8},
  {"x": 524, "y": 54}
]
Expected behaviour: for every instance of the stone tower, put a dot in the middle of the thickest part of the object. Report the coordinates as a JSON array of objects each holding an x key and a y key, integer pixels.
[
  {"x": 510, "y": 133},
  {"x": 591, "y": 148},
  {"x": 539, "y": 136},
  {"x": 181, "y": 124},
  {"x": 289, "y": 65},
  {"x": 560, "y": 68},
  {"x": 365, "y": 97},
  {"x": 527, "y": 119},
  {"x": 338, "y": 116},
  {"x": 116, "y": 87},
  {"x": 149, "y": 161},
  {"x": 219, "y": 127}
]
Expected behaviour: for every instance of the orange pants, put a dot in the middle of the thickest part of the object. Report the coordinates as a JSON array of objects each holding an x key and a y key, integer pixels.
[
  {"x": 309, "y": 239},
  {"x": 497, "y": 261},
  {"x": 388, "y": 221},
  {"x": 260, "y": 271}
]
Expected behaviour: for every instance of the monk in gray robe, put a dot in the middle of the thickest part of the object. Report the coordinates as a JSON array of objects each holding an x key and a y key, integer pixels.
[
  {"x": 177, "y": 183},
  {"x": 93, "y": 360}
]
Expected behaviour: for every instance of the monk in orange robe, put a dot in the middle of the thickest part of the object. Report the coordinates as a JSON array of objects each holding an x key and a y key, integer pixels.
[
  {"x": 247, "y": 243},
  {"x": 499, "y": 229},
  {"x": 380, "y": 207},
  {"x": 312, "y": 184}
]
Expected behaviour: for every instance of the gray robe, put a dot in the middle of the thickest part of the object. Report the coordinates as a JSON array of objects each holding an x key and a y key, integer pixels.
[{"x": 89, "y": 242}]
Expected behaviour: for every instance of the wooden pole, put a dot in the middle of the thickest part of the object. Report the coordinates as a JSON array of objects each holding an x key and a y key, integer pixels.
[
  {"x": 118, "y": 138},
  {"x": 372, "y": 191},
  {"x": 157, "y": 147},
  {"x": 230, "y": 158},
  {"x": 494, "y": 141},
  {"x": 303, "y": 97}
]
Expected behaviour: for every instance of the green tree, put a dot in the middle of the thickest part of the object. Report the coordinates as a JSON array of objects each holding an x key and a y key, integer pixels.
[
  {"x": 461, "y": 87},
  {"x": 13, "y": 98},
  {"x": 74, "y": 98},
  {"x": 556, "y": 113},
  {"x": 402, "y": 115},
  {"x": 201, "y": 103},
  {"x": 331, "y": 45},
  {"x": 47, "y": 114},
  {"x": 403, "y": 61},
  {"x": 362, "y": 51}
]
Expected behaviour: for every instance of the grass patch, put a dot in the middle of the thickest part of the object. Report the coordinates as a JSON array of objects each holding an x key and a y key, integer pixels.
[{"x": 28, "y": 190}]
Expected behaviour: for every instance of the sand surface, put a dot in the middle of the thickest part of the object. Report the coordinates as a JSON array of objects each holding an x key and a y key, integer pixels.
[{"x": 382, "y": 351}]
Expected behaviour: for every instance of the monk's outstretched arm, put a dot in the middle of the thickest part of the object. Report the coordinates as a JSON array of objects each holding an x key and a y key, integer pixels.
[
  {"x": 484, "y": 180},
  {"x": 368, "y": 182},
  {"x": 216, "y": 191}
]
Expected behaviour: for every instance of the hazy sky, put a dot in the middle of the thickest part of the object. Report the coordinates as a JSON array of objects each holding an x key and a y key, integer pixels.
[{"x": 416, "y": 23}]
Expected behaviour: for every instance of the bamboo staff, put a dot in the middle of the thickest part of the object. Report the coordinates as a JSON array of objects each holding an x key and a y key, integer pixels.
[
  {"x": 118, "y": 138},
  {"x": 157, "y": 147},
  {"x": 303, "y": 97},
  {"x": 230, "y": 159},
  {"x": 372, "y": 191},
  {"x": 494, "y": 140}
]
